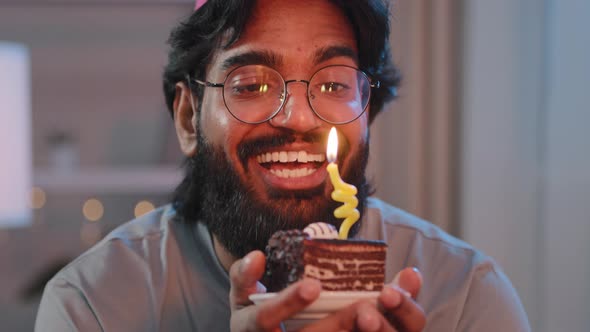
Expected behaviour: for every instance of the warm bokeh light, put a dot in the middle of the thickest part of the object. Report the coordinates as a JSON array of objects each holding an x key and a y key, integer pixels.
[
  {"x": 90, "y": 233},
  {"x": 93, "y": 209},
  {"x": 37, "y": 198},
  {"x": 143, "y": 207}
]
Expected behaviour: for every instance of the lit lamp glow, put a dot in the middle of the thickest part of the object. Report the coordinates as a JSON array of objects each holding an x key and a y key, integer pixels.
[
  {"x": 15, "y": 126},
  {"x": 93, "y": 209},
  {"x": 142, "y": 208},
  {"x": 343, "y": 192}
]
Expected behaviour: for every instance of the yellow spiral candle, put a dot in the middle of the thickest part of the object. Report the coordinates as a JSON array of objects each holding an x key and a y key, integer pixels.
[{"x": 343, "y": 192}]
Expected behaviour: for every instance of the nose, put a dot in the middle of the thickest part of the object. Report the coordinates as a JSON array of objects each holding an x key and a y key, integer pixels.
[{"x": 296, "y": 113}]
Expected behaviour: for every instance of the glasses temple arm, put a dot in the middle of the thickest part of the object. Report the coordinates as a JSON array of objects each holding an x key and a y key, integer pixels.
[{"x": 204, "y": 83}]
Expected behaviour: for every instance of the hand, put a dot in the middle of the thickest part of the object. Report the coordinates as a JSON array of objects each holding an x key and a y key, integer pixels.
[
  {"x": 396, "y": 309},
  {"x": 244, "y": 275},
  {"x": 398, "y": 301}
]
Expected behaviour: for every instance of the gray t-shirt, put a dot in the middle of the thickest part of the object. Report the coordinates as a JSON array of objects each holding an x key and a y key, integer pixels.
[{"x": 157, "y": 274}]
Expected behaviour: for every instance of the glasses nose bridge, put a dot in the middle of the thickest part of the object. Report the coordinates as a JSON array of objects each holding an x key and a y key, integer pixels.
[
  {"x": 306, "y": 82},
  {"x": 288, "y": 95},
  {"x": 294, "y": 114}
]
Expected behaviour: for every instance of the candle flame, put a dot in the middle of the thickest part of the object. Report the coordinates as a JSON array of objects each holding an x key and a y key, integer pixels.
[{"x": 332, "y": 150}]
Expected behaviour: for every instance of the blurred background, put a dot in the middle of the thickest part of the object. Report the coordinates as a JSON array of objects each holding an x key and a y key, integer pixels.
[{"x": 489, "y": 138}]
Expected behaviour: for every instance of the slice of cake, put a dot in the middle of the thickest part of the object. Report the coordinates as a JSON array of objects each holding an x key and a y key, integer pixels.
[{"x": 340, "y": 265}]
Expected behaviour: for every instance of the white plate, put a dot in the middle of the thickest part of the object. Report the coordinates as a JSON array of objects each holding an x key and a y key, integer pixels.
[{"x": 327, "y": 302}]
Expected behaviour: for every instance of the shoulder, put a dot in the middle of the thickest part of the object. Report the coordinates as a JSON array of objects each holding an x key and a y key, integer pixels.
[
  {"x": 149, "y": 273},
  {"x": 133, "y": 241},
  {"x": 413, "y": 241},
  {"x": 462, "y": 285},
  {"x": 116, "y": 279},
  {"x": 385, "y": 222}
]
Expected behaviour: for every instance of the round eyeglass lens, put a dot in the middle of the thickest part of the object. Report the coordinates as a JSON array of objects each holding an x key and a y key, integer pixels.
[
  {"x": 339, "y": 94},
  {"x": 253, "y": 93}
]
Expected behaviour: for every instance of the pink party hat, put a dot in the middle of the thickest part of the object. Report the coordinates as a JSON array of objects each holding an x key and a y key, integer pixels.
[{"x": 199, "y": 3}]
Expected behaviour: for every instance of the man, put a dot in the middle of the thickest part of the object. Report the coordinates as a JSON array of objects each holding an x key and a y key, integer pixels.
[{"x": 254, "y": 87}]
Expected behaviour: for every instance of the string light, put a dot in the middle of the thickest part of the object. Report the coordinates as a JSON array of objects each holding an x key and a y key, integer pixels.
[
  {"x": 143, "y": 207},
  {"x": 93, "y": 209},
  {"x": 37, "y": 198}
]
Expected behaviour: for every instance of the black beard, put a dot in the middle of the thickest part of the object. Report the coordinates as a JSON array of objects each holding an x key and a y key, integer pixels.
[{"x": 213, "y": 194}]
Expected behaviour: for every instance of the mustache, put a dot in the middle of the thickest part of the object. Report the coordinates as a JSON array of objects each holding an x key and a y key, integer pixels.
[{"x": 260, "y": 144}]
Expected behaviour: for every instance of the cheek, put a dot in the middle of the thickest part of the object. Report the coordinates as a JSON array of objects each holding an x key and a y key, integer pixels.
[
  {"x": 221, "y": 130},
  {"x": 357, "y": 135},
  {"x": 215, "y": 119},
  {"x": 361, "y": 130}
]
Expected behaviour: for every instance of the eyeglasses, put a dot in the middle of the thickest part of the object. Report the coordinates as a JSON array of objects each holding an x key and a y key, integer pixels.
[{"x": 253, "y": 94}]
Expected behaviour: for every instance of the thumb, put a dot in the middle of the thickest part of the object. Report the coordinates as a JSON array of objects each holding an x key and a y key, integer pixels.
[
  {"x": 410, "y": 280},
  {"x": 244, "y": 275}
]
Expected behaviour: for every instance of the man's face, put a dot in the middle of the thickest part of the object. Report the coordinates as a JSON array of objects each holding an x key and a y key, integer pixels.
[
  {"x": 297, "y": 34},
  {"x": 296, "y": 39}
]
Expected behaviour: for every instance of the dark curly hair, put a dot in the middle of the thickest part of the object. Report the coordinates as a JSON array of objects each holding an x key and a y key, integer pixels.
[{"x": 219, "y": 23}]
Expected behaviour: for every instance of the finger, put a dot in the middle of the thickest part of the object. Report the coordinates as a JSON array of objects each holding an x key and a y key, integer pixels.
[
  {"x": 241, "y": 320},
  {"x": 360, "y": 316},
  {"x": 370, "y": 319},
  {"x": 401, "y": 310},
  {"x": 410, "y": 280},
  {"x": 244, "y": 275},
  {"x": 285, "y": 304}
]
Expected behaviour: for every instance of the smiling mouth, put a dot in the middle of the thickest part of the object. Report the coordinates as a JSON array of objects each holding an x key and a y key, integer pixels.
[{"x": 291, "y": 164}]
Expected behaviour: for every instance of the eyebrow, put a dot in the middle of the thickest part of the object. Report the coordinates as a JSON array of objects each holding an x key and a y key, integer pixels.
[
  {"x": 327, "y": 53},
  {"x": 266, "y": 58},
  {"x": 275, "y": 60}
]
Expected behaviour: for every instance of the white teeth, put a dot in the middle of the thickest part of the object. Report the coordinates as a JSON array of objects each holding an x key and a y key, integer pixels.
[
  {"x": 289, "y": 157},
  {"x": 283, "y": 157},
  {"x": 292, "y": 173},
  {"x": 302, "y": 156},
  {"x": 292, "y": 156},
  {"x": 319, "y": 157}
]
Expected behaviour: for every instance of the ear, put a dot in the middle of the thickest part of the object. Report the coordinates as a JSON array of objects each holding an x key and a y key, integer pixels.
[{"x": 185, "y": 119}]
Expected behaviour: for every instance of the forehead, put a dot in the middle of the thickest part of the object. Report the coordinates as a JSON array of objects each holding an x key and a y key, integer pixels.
[{"x": 292, "y": 34}]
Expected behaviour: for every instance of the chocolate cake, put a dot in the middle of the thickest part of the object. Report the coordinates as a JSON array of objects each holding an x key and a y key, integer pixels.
[{"x": 340, "y": 265}]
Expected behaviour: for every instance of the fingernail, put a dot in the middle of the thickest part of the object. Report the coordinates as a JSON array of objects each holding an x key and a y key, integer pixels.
[
  {"x": 310, "y": 289},
  {"x": 397, "y": 297},
  {"x": 367, "y": 319},
  {"x": 392, "y": 297},
  {"x": 244, "y": 263}
]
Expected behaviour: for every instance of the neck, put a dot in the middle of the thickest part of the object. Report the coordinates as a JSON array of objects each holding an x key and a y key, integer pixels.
[{"x": 225, "y": 258}]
